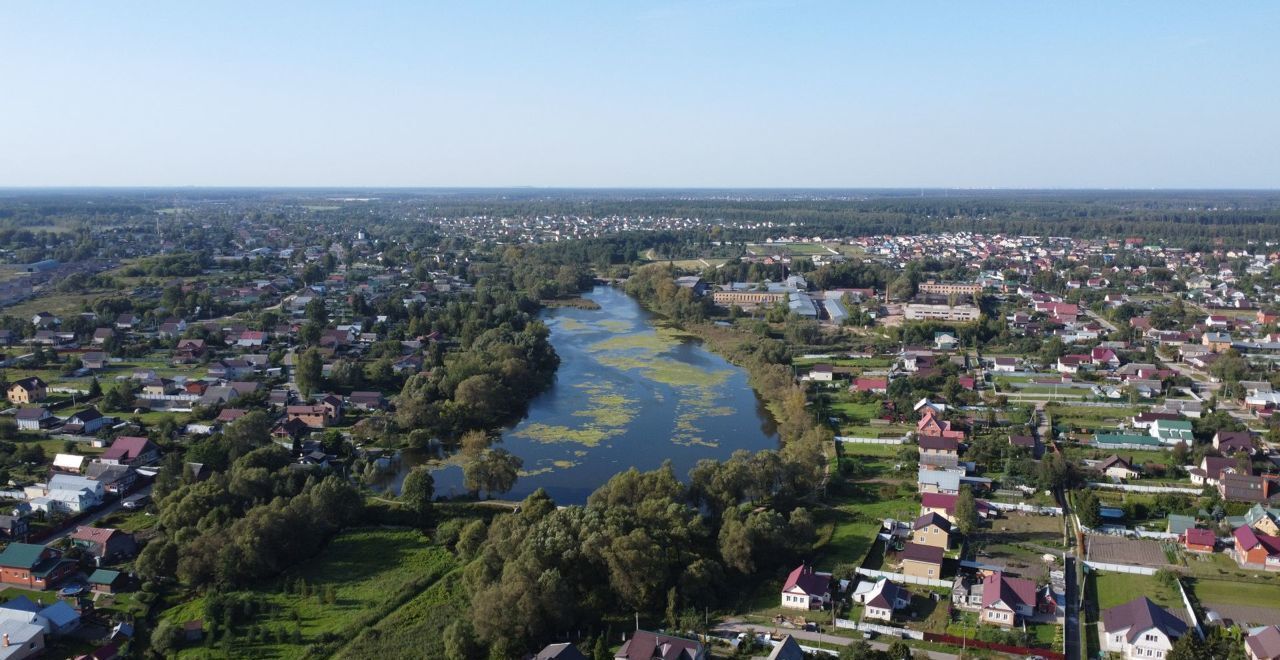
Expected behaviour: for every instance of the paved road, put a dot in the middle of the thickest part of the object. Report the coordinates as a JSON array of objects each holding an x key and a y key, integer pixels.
[
  {"x": 730, "y": 629},
  {"x": 98, "y": 515},
  {"x": 1071, "y": 632}
]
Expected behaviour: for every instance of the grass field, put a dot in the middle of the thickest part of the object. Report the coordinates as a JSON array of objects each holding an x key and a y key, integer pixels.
[
  {"x": 1256, "y": 594},
  {"x": 1114, "y": 589},
  {"x": 372, "y": 572}
]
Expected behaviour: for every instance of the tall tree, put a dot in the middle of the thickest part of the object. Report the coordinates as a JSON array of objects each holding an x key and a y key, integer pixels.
[
  {"x": 966, "y": 511},
  {"x": 309, "y": 371}
]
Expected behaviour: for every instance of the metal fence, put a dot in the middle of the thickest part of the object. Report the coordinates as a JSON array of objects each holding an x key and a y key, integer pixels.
[
  {"x": 903, "y": 577},
  {"x": 1134, "y": 488},
  {"x": 855, "y": 440},
  {"x": 1119, "y": 568}
]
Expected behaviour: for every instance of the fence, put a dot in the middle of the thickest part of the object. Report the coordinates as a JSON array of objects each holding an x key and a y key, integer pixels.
[
  {"x": 879, "y": 629},
  {"x": 1134, "y": 488},
  {"x": 1119, "y": 568},
  {"x": 1028, "y": 508},
  {"x": 903, "y": 577},
  {"x": 855, "y": 440},
  {"x": 1191, "y": 611},
  {"x": 952, "y": 640}
]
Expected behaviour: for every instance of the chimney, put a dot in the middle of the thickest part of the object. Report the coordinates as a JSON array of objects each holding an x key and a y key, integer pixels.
[{"x": 6, "y": 640}]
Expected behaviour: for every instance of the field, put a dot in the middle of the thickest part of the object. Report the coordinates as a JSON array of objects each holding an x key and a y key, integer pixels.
[
  {"x": 1120, "y": 550},
  {"x": 1018, "y": 543},
  {"x": 1256, "y": 603},
  {"x": 1112, "y": 589},
  {"x": 868, "y": 491},
  {"x": 371, "y": 572}
]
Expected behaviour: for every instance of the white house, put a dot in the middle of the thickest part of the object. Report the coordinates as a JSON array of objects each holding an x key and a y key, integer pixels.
[
  {"x": 68, "y": 493},
  {"x": 1140, "y": 629},
  {"x": 881, "y": 598},
  {"x": 25, "y": 640},
  {"x": 806, "y": 589}
]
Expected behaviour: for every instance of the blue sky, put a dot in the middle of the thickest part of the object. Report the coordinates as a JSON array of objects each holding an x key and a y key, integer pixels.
[{"x": 641, "y": 93}]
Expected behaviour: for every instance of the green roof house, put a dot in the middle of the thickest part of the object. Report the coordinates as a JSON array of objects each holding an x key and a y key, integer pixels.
[
  {"x": 33, "y": 566},
  {"x": 1172, "y": 431},
  {"x": 1125, "y": 441}
]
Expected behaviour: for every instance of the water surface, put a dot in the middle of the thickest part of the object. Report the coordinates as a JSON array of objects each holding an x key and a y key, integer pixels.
[{"x": 627, "y": 393}]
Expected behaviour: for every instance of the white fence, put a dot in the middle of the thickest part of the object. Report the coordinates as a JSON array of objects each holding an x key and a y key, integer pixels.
[
  {"x": 876, "y": 628},
  {"x": 1119, "y": 568},
  {"x": 1134, "y": 488},
  {"x": 855, "y": 440},
  {"x": 69, "y": 390},
  {"x": 1191, "y": 611},
  {"x": 169, "y": 397},
  {"x": 903, "y": 577},
  {"x": 1028, "y": 508}
]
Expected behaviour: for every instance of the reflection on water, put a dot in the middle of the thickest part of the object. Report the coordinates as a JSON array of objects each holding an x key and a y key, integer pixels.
[{"x": 626, "y": 394}]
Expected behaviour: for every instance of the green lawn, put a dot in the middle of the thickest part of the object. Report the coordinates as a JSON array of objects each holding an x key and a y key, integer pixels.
[
  {"x": 1119, "y": 588},
  {"x": 372, "y": 572},
  {"x": 1257, "y": 594},
  {"x": 856, "y": 413}
]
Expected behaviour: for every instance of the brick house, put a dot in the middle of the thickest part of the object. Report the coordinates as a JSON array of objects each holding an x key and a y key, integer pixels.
[
  {"x": 28, "y": 390},
  {"x": 33, "y": 566}
]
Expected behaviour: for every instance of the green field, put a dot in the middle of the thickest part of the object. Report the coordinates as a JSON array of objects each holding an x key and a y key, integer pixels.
[
  {"x": 1223, "y": 592},
  {"x": 1114, "y": 589},
  {"x": 372, "y": 573}
]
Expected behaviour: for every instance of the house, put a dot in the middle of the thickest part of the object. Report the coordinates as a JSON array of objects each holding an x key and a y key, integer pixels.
[
  {"x": 158, "y": 387},
  {"x": 939, "y": 451},
  {"x": 645, "y": 645},
  {"x": 103, "y": 581},
  {"x": 945, "y": 341},
  {"x": 806, "y": 589},
  {"x": 821, "y": 372},
  {"x": 1244, "y": 488},
  {"x": 1104, "y": 358},
  {"x": 932, "y": 529},
  {"x": 33, "y": 566},
  {"x": 69, "y": 493},
  {"x": 1172, "y": 431},
  {"x": 131, "y": 450},
  {"x": 1118, "y": 468},
  {"x": 57, "y": 618},
  {"x": 367, "y": 400},
  {"x": 189, "y": 350},
  {"x": 943, "y": 505},
  {"x": 1211, "y": 469},
  {"x": 1071, "y": 364},
  {"x": 1263, "y": 643},
  {"x": 1006, "y": 365},
  {"x": 881, "y": 599},
  {"x": 87, "y": 422},
  {"x": 115, "y": 479},
  {"x": 69, "y": 463},
  {"x": 290, "y": 430},
  {"x": 1146, "y": 419},
  {"x": 875, "y": 385},
  {"x": 1216, "y": 341},
  {"x": 106, "y": 544},
  {"x": 561, "y": 651},
  {"x": 787, "y": 649},
  {"x": 1178, "y": 524},
  {"x": 14, "y": 528},
  {"x": 95, "y": 360},
  {"x": 931, "y": 424},
  {"x": 313, "y": 416},
  {"x": 1198, "y": 540},
  {"x": 126, "y": 321},
  {"x": 1231, "y": 442},
  {"x": 1028, "y": 442},
  {"x": 251, "y": 338},
  {"x": 34, "y": 419},
  {"x": 923, "y": 561},
  {"x": 1007, "y": 600},
  {"x": 1139, "y": 629},
  {"x": 1254, "y": 548},
  {"x": 946, "y": 482},
  {"x": 25, "y": 640},
  {"x": 28, "y": 390}
]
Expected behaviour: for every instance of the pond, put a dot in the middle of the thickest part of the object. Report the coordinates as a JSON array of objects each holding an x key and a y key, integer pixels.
[{"x": 627, "y": 393}]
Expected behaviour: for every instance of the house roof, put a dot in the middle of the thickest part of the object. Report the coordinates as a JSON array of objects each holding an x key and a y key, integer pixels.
[
  {"x": 939, "y": 501},
  {"x": 1115, "y": 461},
  {"x": 1023, "y": 441},
  {"x": 645, "y": 645},
  {"x": 787, "y": 649},
  {"x": 1011, "y": 591},
  {"x": 932, "y": 518},
  {"x": 808, "y": 580},
  {"x": 33, "y": 414},
  {"x": 938, "y": 443},
  {"x": 94, "y": 534},
  {"x": 1247, "y": 538},
  {"x": 29, "y": 383},
  {"x": 943, "y": 479},
  {"x": 561, "y": 651},
  {"x": 886, "y": 594},
  {"x": 922, "y": 553},
  {"x": 1264, "y": 643},
  {"x": 1197, "y": 536},
  {"x": 21, "y": 555},
  {"x": 127, "y": 447},
  {"x": 104, "y": 576},
  {"x": 1140, "y": 615}
]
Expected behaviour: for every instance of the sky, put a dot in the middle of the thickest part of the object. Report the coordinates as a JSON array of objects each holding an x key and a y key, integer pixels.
[{"x": 641, "y": 93}]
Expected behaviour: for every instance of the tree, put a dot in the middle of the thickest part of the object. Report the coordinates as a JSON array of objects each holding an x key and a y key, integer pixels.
[
  {"x": 460, "y": 641},
  {"x": 495, "y": 471},
  {"x": 165, "y": 638},
  {"x": 418, "y": 490},
  {"x": 1089, "y": 509},
  {"x": 966, "y": 511},
  {"x": 95, "y": 389},
  {"x": 309, "y": 371}
]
